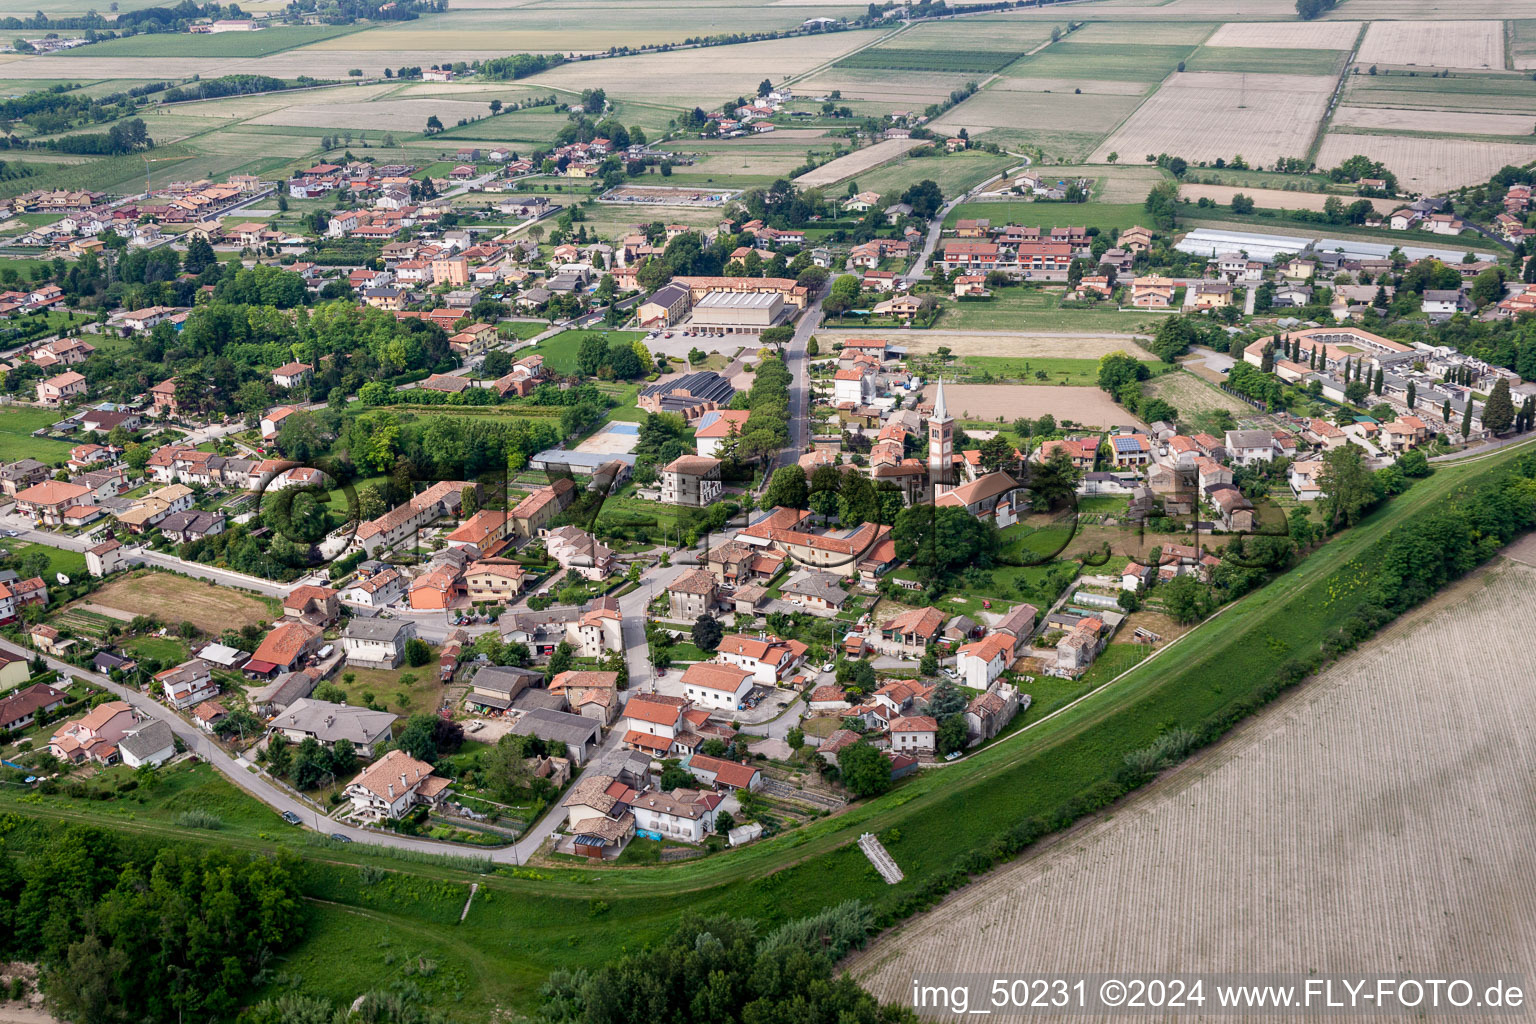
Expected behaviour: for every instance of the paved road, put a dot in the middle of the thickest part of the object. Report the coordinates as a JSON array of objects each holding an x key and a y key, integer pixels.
[{"x": 799, "y": 389}]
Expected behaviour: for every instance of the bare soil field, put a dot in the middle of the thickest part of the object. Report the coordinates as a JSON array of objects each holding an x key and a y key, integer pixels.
[
  {"x": 1456, "y": 122},
  {"x": 1296, "y": 35},
  {"x": 857, "y": 162},
  {"x": 995, "y": 108},
  {"x": 1021, "y": 346},
  {"x": 1088, "y": 406},
  {"x": 1378, "y": 815},
  {"x": 684, "y": 76},
  {"x": 972, "y": 34},
  {"x": 1206, "y": 115},
  {"x": 210, "y": 608},
  {"x": 1275, "y": 198},
  {"x": 1419, "y": 10},
  {"x": 1191, "y": 395},
  {"x": 1169, "y": 34},
  {"x": 1427, "y": 165},
  {"x": 1440, "y": 44},
  {"x": 1090, "y": 87}
]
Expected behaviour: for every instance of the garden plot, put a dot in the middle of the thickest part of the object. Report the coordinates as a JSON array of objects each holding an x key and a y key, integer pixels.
[
  {"x": 1451, "y": 122},
  {"x": 857, "y": 162},
  {"x": 1203, "y": 116},
  {"x": 681, "y": 77},
  {"x": 1296, "y": 35},
  {"x": 1427, "y": 165},
  {"x": 1088, "y": 406},
  {"x": 993, "y": 108},
  {"x": 1253, "y": 857},
  {"x": 1440, "y": 44},
  {"x": 382, "y": 115}
]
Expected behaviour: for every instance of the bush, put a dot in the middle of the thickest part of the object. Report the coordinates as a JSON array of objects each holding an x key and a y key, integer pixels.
[{"x": 197, "y": 818}]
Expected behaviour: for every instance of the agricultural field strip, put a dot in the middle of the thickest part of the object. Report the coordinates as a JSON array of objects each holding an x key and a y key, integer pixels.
[
  {"x": 1446, "y": 44},
  {"x": 1298, "y": 35},
  {"x": 1362, "y": 720},
  {"x": 1388, "y": 120},
  {"x": 1427, "y": 164},
  {"x": 1210, "y": 115},
  {"x": 1274, "y": 198}
]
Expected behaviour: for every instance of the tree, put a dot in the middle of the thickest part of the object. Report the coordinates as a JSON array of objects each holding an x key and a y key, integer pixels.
[
  {"x": 433, "y": 125},
  {"x": 795, "y": 738},
  {"x": 865, "y": 770},
  {"x": 417, "y": 653},
  {"x": 952, "y": 734},
  {"x": 786, "y": 488},
  {"x": 1117, "y": 369},
  {"x": 1187, "y": 599},
  {"x": 1162, "y": 205},
  {"x": 707, "y": 633},
  {"x": 495, "y": 107},
  {"x": 1054, "y": 480},
  {"x": 1346, "y": 485},
  {"x": 418, "y": 738},
  {"x": 1499, "y": 410},
  {"x": 996, "y": 452},
  {"x": 505, "y": 769}
]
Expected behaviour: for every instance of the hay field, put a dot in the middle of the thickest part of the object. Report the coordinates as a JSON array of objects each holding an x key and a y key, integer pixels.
[
  {"x": 1198, "y": 116},
  {"x": 1088, "y": 406},
  {"x": 1296, "y": 35},
  {"x": 1267, "y": 62},
  {"x": 1089, "y": 86},
  {"x": 1441, "y": 44},
  {"x": 857, "y": 162},
  {"x": 1275, "y": 198},
  {"x": 971, "y": 34},
  {"x": 997, "y": 108},
  {"x": 1454, "y": 122},
  {"x": 896, "y": 90},
  {"x": 746, "y": 159},
  {"x": 683, "y": 77},
  {"x": 383, "y": 115},
  {"x": 1379, "y": 815},
  {"x": 1173, "y": 33},
  {"x": 210, "y": 608},
  {"x": 1427, "y": 165},
  {"x": 1118, "y": 183},
  {"x": 1193, "y": 395},
  {"x": 1001, "y": 344},
  {"x": 1419, "y": 10}
]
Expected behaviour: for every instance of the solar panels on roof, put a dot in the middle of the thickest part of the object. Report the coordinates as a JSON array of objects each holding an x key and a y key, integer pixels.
[{"x": 1126, "y": 445}]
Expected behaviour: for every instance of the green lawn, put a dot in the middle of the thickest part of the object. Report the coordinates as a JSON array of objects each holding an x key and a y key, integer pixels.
[
  {"x": 1074, "y": 372},
  {"x": 522, "y": 329},
  {"x": 70, "y": 563},
  {"x": 167, "y": 650},
  {"x": 954, "y": 173},
  {"x": 1024, "y": 308},
  {"x": 1104, "y": 216},
  {"x": 560, "y": 352},
  {"x": 16, "y": 440}
]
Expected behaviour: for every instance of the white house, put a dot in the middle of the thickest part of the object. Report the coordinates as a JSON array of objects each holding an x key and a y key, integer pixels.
[
  {"x": 1245, "y": 447},
  {"x": 713, "y": 685},
  {"x": 152, "y": 743},
  {"x": 394, "y": 784},
  {"x": 853, "y": 386},
  {"x": 187, "y": 684},
  {"x": 917, "y": 734},
  {"x": 978, "y": 664},
  {"x": 684, "y": 814},
  {"x": 376, "y": 643},
  {"x": 769, "y": 660},
  {"x": 381, "y": 589}
]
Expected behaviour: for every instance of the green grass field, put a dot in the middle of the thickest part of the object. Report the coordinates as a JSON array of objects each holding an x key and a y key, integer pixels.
[
  {"x": 954, "y": 173},
  {"x": 1117, "y": 62},
  {"x": 60, "y": 560},
  {"x": 16, "y": 440},
  {"x": 560, "y": 351},
  {"x": 223, "y": 44},
  {"x": 1072, "y": 372},
  {"x": 1032, "y": 309},
  {"x": 520, "y": 926},
  {"x": 1259, "y": 61},
  {"x": 977, "y": 62}
]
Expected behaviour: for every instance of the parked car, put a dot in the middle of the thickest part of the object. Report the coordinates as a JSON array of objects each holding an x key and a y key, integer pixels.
[
  {"x": 291, "y": 818},
  {"x": 341, "y": 838}
]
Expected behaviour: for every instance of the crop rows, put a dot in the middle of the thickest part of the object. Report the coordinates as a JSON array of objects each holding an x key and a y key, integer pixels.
[{"x": 981, "y": 62}]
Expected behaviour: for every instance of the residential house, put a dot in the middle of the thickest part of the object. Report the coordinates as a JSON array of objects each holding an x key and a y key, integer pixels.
[
  {"x": 1246, "y": 447},
  {"x": 770, "y": 660},
  {"x": 187, "y": 684},
  {"x": 717, "y": 685},
  {"x": 152, "y": 744},
  {"x": 393, "y": 785},
  {"x": 915, "y": 735},
  {"x": 980, "y": 663},
  {"x": 493, "y": 580},
  {"x": 377, "y": 642},
  {"x": 376, "y": 590},
  {"x": 580, "y": 734},
  {"x": 723, "y": 774},
  {"x": 94, "y": 736},
  {"x": 313, "y": 604},
  {"x": 21, "y": 709},
  {"x": 692, "y": 594},
  {"x": 691, "y": 480},
  {"x": 283, "y": 648},
  {"x": 910, "y": 633}
]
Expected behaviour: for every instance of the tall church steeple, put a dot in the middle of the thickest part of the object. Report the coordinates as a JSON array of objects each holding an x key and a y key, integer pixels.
[{"x": 941, "y": 444}]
